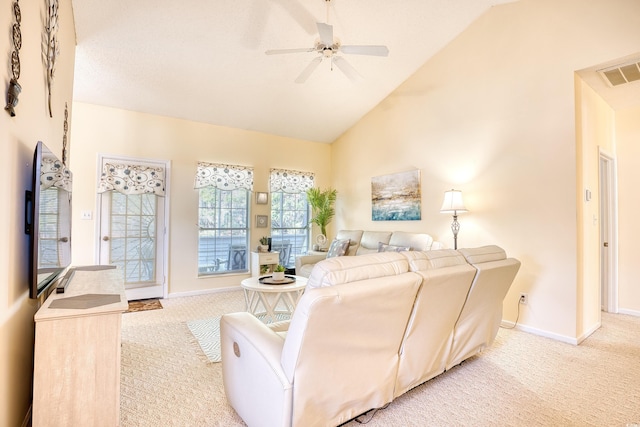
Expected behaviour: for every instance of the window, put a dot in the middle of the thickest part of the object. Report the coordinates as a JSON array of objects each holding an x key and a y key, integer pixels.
[
  {"x": 290, "y": 231},
  {"x": 223, "y": 218},
  {"x": 50, "y": 253}
]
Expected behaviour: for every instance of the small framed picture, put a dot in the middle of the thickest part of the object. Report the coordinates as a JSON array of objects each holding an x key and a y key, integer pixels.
[
  {"x": 262, "y": 220},
  {"x": 262, "y": 198}
]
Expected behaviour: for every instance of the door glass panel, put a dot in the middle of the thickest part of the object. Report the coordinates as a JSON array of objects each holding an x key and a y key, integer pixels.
[{"x": 133, "y": 236}]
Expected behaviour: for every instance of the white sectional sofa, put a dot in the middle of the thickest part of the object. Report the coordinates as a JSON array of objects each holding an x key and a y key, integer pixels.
[
  {"x": 366, "y": 242},
  {"x": 366, "y": 330}
]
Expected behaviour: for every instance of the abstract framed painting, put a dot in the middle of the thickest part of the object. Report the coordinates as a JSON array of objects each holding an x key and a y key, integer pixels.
[{"x": 396, "y": 197}]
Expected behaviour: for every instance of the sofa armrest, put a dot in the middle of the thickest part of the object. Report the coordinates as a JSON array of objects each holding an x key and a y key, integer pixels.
[
  {"x": 308, "y": 259},
  {"x": 254, "y": 382}
]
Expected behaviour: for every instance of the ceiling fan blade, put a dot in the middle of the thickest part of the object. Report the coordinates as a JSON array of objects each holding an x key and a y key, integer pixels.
[
  {"x": 346, "y": 68},
  {"x": 309, "y": 69},
  {"x": 365, "y": 50},
  {"x": 281, "y": 51},
  {"x": 326, "y": 33}
]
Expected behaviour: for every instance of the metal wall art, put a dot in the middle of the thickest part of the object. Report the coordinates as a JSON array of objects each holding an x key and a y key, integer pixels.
[
  {"x": 65, "y": 128},
  {"x": 50, "y": 45},
  {"x": 14, "y": 87}
]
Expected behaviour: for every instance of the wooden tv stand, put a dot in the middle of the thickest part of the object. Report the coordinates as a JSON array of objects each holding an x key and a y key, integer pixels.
[{"x": 76, "y": 379}]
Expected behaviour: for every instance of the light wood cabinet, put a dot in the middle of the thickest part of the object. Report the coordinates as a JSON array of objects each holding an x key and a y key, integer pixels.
[
  {"x": 76, "y": 380},
  {"x": 268, "y": 259}
]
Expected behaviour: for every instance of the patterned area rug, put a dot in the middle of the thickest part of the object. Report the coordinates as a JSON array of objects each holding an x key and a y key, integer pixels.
[
  {"x": 207, "y": 334},
  {"x": 144, "y": 305}
]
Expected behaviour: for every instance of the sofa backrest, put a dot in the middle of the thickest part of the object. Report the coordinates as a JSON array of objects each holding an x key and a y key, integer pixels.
[
  {"x": 366, "y": 242},
  {"x": 348, "y": 334},
  {"x": 354, "y": 237},
  {"x": 480, "y": 318},
  {"x": 345, "y": 269},
  {"x": 415, "y": 241},
  {"x": 446, "y": 278},
  {"x": 370, "y": 239}
]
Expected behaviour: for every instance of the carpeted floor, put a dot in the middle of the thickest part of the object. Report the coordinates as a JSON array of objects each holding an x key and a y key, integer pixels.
[{"x": 523, "y": 380}]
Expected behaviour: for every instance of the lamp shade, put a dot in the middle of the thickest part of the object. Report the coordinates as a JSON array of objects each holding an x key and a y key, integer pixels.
[{"x": 453, "y": 202}]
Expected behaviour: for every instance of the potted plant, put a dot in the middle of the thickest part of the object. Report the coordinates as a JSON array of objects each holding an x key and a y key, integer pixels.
[
  {"x": 322, "y": 210},
  {"x": 278, "y": 272},
  {"x": 264, "y": 244}
]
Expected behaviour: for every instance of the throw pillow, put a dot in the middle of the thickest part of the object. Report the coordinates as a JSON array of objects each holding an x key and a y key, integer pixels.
[
  {"x": 338, "y": 248},
  {"x": 383, "y": 247}
]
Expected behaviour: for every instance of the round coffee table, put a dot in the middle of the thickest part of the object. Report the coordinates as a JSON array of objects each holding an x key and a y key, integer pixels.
[{"x": 266, "y": 301}]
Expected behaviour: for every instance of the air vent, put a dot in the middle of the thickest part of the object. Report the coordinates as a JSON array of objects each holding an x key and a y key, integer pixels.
[{"x": 621, "y": 74}]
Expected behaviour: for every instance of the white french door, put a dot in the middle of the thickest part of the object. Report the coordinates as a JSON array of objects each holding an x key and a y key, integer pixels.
[{"x": 132, "y": 237}]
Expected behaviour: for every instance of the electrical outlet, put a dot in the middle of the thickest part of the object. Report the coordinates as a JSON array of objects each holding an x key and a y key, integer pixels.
[{"x": 524, "y": 298}]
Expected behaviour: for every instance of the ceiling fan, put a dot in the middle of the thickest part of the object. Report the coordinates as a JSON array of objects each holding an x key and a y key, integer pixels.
[{"x": 327, "y": 47}]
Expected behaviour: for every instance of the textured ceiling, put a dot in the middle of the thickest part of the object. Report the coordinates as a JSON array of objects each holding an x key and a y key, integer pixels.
[{"x": 204, "y": 60}]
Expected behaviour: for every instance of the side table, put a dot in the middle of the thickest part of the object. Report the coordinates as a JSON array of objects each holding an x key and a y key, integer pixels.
[{"x": 271, "y": 300}]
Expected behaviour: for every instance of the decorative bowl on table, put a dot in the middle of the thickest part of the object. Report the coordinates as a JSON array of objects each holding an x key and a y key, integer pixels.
[{"x": 269, "y": 280}]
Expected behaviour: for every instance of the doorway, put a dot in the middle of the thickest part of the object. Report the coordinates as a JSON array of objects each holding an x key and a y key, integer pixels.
[
  {"x": 608, "y": 241},
  {"x": 133, "y": 222}
]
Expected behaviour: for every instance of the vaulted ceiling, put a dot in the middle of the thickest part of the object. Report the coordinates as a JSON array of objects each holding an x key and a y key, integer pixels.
[{"x": 205, "y": 61}]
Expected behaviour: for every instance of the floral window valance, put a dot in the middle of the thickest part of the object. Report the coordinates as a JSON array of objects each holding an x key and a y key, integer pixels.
[
  {"x": 289, "y": 181},
  {"x": 132, "y": 179},
  {"x": 224, "y": 177},
  {"x": 54, "y": 174}
]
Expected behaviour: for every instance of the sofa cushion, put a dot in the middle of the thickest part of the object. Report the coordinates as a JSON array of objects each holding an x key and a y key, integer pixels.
[
  {"x": 370, "y": 239},
  {"x": 383, "y": 247},
  {"x": 339, "y": 270},
  {"x": 354, "y": 237},
  {"x": 417, "y": 241},
  {"x": 338, "y": 248}
]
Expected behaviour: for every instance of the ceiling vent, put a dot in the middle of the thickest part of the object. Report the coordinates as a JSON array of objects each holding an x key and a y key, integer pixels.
[{"x": 621, "y": 74}]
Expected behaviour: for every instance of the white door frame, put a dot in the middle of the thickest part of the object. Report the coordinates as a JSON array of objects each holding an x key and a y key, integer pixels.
[
  {"x": 608, "y": 196},
  {"x": 138, "y": 293}
]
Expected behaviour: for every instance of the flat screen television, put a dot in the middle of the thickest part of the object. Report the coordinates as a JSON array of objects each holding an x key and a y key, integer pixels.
[{"x": 48, "y": 220}]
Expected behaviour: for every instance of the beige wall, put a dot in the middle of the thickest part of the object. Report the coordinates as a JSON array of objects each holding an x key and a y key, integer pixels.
[
  {"x": 125, "y": 133},
  {"x": 595, "y": 122},
  {"x": 18, "y": 137},
  {"x": 493, "y": 115},
  {"x": 628, "y": 161}
]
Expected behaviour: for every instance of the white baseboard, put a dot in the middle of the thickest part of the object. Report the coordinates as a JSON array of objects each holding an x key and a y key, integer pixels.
[
  {"x": 540, "y": 332},
  {"x": 629, "y": 312},
  {"x": 203, "y": 292},
  {"x": 589, "y": 332}
]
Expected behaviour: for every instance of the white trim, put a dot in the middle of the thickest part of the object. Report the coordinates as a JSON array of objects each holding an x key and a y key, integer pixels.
[
  {"x": 588, "y": 333},
  {"x": 629, "y": 312},
  {"x": 562, "y": 338},
  {"x": 612, "y": 296},
  {"x": 204, "y": 292},
  {"x": 167, "y": 221}
]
